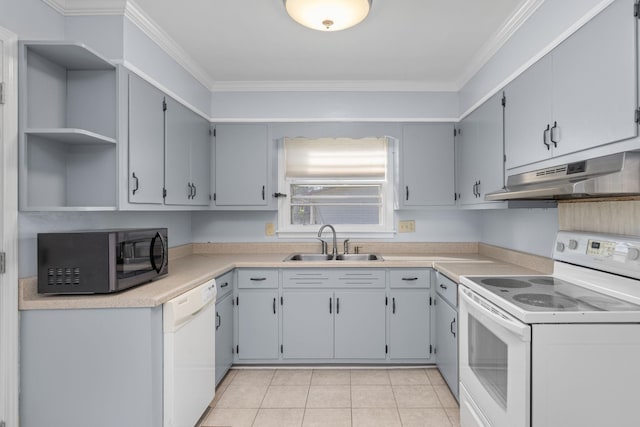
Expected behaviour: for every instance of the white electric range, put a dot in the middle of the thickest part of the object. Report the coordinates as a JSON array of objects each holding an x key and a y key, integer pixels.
[{"x": 560, "y": 350}]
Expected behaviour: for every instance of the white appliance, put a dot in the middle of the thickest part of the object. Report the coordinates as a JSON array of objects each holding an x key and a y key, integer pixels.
[
  {"x": 555, "y": 351},
  {"x": 189, "y": 355}
]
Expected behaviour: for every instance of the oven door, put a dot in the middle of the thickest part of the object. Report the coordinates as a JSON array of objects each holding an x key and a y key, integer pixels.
[{"x": 495, "y": 362}]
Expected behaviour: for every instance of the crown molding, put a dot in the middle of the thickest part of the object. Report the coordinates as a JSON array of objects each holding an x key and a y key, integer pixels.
[
  {"x": 332, "y": 86},
  {"x": 498, "y": 40},
  {"x": 87, "y": 7},
  {"x": 150, "y": 28}
]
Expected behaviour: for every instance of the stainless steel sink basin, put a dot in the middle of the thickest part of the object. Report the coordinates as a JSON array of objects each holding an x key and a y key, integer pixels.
[
  {"x": 309, "y": 257},
  {"x": 329, "y": 257},
  {"x": 359, "y": 257}
]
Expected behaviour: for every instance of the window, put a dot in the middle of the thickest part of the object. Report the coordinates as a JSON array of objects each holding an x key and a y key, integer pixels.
[{"x": 340, "y": 181}]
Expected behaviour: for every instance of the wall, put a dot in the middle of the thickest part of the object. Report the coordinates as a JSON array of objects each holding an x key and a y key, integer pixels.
[
  {"x": 526, "y": 230},
  {"x": 31, "y": 19}
]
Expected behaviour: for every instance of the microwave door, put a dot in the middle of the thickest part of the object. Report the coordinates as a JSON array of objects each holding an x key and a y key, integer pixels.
[{"x": 158, "y": 253}]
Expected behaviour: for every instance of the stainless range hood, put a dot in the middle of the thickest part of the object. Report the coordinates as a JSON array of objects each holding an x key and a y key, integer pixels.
[{"x": 607, "y": 176}]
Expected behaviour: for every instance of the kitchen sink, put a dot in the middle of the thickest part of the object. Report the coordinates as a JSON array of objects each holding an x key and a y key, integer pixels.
[{"x": 329, "y": 257}]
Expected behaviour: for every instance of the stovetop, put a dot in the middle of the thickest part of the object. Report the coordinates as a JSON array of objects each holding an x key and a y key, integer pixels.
[{"x": 596, "y": 279}]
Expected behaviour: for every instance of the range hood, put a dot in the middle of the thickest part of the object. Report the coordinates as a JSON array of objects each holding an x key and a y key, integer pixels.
[{"x": 607, "y": 176}]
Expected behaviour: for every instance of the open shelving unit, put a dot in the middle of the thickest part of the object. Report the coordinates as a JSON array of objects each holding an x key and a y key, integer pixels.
[{"x": 68, "y": 128}]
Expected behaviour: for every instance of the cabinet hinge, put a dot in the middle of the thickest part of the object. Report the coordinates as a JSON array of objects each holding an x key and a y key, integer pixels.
[
  {"x": 430, "y": 348},
  {"x": 214, "y": 132},
  {"x": 164, "y": 193},
  {"x": 638, "y": 115},
  {"x": 455, "y": 132},
  {"x": 237, "y": 349},
  {"x": 281, "y": 301},
  {"x": 636, "y": 9},
  {"x": 210, "y": 132},
  {"x": 2, "y": 102},
  {"x": 386, "y": 349},
  {"x": 435, "y": 350},
  {"x": 455, "y": 196},
  {"x": 214, "y": 197},
  {"x": 281, "y": 349},
  {"x": 164, "y": 105},
  {"x": 386, "y": 300},
  {"x": 504, "y": 100},
  {"x": 3, "y": 267}
]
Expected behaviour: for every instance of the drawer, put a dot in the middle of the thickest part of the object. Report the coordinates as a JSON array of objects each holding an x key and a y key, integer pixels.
[
  {"x": 224, "y": 284},
  {"x": 447, "y": 288},
  {"x": 410, "y": 278},
  {"x": 334, "y": 277},
  {"x": 255, "y": 278}
]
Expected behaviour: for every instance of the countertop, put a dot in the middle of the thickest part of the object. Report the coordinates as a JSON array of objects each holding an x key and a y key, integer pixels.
[{"x": 191, "y": 270}]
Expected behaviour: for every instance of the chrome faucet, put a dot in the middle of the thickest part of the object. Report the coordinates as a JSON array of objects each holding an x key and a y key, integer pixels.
[{"x": 335, "y": 243}]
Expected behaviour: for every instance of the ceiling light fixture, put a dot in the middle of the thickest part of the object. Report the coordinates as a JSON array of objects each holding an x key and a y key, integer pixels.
[{"x": 328, "y": 15}]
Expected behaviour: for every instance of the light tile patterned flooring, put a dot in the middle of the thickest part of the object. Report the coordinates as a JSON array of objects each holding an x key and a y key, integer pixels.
[{"x": 333, "y": 398}]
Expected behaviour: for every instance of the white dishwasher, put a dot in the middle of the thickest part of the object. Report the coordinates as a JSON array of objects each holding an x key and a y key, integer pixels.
[{"x": 189, "y": 355}]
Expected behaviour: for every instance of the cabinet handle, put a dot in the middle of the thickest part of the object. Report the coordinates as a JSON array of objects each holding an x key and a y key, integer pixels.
[
  {"x": 545, "y": 137},
  {"x": 407, "y": 192},
  {"x": 133, "y": 175},
  {"x": 337, "y": 305},
  {"x": 409, "y": 279},
  {"x": 224, "y": 285},
  {"x": 478, "y": 188},
  {"x": 190, "y": 191},
  {"x": 219, "y": 321},
  {"x": 258, "y": 279},
  {"x": 443, "y": 286},
  {"x": 263, "y": 192},
  {"x": 274, "y": 306},
  {"x": 393, "y": 305},
  {"x": 453, "y": 331},
  {"x": 330, "y": 308},
  {"x": 554, "y": 131}
]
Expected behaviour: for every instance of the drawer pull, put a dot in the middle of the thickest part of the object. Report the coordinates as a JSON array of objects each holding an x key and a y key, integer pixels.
[
  {"x": 409, "y": 279},
  {"x": 258, "y": 279},
  {"x": 443, "y": 286},
  {"x": 224, "y": 285}
]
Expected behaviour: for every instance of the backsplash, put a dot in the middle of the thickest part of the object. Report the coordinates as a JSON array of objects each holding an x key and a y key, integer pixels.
[{"x": 614, "y": 217}]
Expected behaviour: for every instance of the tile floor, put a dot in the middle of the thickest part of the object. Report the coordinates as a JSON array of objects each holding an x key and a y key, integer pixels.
[{"x": 333, "y": 398}]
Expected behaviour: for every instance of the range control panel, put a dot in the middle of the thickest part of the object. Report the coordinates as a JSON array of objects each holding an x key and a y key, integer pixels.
[{"x": 608, "y": 252}]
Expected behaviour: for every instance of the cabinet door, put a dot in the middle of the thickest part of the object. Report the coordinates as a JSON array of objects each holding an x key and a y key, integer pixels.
[
  {"x": 409, "y": 336},
  {"x": 595, "y": 81},
  {"x": 224, "y": 336},
  {"x": 307, "y": 324},
  {"x": 527, "y": 114},
  {"x": 360, "y": 325},
  {"x": 447, "y": 343},
  {"x": 489, "y": 153},
  {"x": 241, "y": 152},
  {"x": 180, "y": 132},
  {"x": 146, "y": 142},
  {"x": 466, "y": 159},
  {"x": 201, "y": 162},
  {"x": 427, "y": 165},
  {"x": 257, "y": 324}
]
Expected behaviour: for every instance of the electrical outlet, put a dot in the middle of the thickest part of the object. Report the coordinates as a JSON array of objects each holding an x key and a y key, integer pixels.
[
  {"x": 407, "y": 226},
  {"x": 269, "y": 229}
]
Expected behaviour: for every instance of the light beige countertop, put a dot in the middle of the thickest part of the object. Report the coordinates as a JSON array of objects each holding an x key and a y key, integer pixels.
[{"x": 189, "y": 270}]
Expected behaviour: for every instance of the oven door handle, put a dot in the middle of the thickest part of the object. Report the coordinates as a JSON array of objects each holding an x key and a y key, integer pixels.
[{"x": 494, "y": 314}]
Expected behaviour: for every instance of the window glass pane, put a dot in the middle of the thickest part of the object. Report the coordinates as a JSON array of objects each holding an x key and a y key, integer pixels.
[{"x": 318, "y": 214}]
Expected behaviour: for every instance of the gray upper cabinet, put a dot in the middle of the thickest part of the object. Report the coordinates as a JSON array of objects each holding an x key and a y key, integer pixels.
[
  {"x": 242, "y": 158},
  {"x": 581, "y": 95},
  {"x": 146, "y": 142},
  {"x": 479, "y": 154},
  {"x": 187, "y": 145},
  {"x": 67, "y": 128},
  {"x": 427, "y": 165}
]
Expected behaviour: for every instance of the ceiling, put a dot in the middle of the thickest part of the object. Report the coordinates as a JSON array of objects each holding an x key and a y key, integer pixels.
[{"x": 401, "y": 45}]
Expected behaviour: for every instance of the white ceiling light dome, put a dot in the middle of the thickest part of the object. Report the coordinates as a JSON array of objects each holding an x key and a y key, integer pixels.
[{"x": 328, "y": 15}]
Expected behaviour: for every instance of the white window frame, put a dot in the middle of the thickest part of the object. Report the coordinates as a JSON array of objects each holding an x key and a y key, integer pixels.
[{"x": 386, "y": 227}]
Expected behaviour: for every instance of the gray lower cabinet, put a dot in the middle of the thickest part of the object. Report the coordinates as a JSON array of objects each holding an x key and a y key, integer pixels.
[
  {"x": 360, "y": 324},
  {"x": 224, "y": 335},
  {"x": 447, "y": 331},
  {"x": 257, "y": 324},
  {"x": 307, "y": 324},
  {"x": 98, "y": 367},
  {"x": 409, "y": 323}
]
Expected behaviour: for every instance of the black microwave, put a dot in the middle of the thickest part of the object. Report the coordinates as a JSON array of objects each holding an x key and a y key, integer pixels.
[{"x": 100, "y": 261}]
